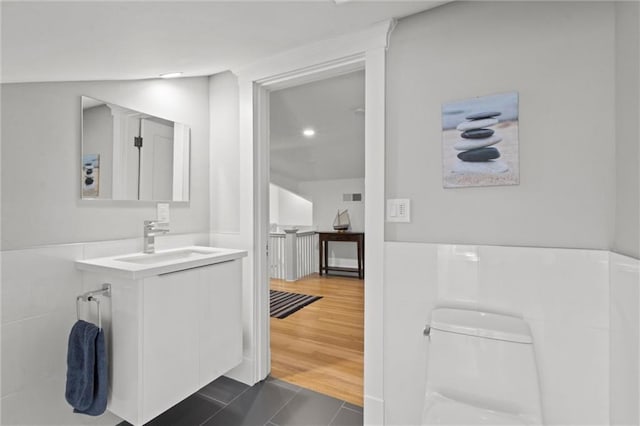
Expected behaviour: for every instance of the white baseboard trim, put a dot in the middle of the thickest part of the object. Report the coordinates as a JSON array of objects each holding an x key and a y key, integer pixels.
[
  {"x": 244, "y": 372},
  {"x": 373, "y": 411}
]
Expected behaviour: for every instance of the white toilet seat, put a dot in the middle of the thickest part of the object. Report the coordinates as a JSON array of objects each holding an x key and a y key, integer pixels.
[{"x": 445, "y": 411}]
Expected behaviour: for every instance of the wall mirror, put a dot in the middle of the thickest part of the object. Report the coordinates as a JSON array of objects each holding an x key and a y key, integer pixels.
[{"x": 130, "y": 155}]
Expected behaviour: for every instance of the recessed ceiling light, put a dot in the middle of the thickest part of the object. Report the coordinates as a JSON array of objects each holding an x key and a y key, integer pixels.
[
  {"x": 171, "y": 75},
  {"x": 308, "y": 132}
]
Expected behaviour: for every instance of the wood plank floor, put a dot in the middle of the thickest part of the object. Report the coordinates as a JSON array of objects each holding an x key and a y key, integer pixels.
[{"x": 321, "y": 347}]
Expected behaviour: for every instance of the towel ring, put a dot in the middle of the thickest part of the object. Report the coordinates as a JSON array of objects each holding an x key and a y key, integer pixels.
[{"x": 91, "y": 297}]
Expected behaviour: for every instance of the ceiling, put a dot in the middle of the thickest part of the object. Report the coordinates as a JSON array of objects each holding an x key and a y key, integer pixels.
[
  {"x": 334, "y": 108},
  {"x": 108, "y": 40}
]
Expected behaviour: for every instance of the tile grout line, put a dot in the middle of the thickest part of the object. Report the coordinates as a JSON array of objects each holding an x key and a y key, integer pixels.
[
  {"x": 213, "y": 415},
  {"x": 351, "y": 409},
  {"x": 34, "y": 317},
  {"x": 270, "y": 420},
  {"x": 225, "y": 405},
  {"x": 239, "y": 395},
  {"x": 210, "y": 398},
  {"x": 336, "y": 414}
]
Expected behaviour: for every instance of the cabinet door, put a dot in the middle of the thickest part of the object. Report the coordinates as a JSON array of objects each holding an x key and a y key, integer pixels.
[
  {"x": 220, "y": 319},
  {"x": 170, "y": 340}
]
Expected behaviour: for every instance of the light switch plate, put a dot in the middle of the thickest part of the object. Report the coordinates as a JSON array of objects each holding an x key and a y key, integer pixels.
[
  {"x": 399, "y": 210},
  {"x": 162, "y": 212}
]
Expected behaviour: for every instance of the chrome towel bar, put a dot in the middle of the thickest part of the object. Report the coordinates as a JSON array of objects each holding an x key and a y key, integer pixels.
[{"x": 91, "y": 296}]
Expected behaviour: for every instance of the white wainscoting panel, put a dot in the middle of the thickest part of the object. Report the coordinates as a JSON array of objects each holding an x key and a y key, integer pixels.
[
  {"x": 563, "y": 294},
  {"x": 45, "y": 405},
  {"x": 625, "y": 340},
  {"x": 410, "y": 293},
  {"x": 39, "y": 289},
  {"x": 37, "y": 282}
]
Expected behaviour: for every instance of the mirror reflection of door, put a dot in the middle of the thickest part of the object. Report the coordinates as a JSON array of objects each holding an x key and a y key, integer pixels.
[
  {"x": 126, "y": 170},
  {"x": 156, "y": 166},
  {"x": 142, "y": 157}
]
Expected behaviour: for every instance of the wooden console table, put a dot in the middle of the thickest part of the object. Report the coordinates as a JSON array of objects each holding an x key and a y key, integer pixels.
[{"x": 323, "y": 250}]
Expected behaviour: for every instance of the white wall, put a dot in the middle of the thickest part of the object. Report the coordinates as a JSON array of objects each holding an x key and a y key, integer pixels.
[
  {"x": 327, "y": 200},
  {"x": 231, "y": 181},
  {"x": 45, "y": 226},
  {"x": 41, "y": 161},
  {"x": 326, "y": 196},
  {"x": 1, "y": 269},
  {"x": 283, "y": 181},
  {"x": 562, "y": 293},
  {"x": 225, "y": 153},
  {"x": 627, "y": 226},
  {"x": 625, "y": 271},
  {"x": 39, "y": 287},
  {"x": 559, "y": 56},
  {"x": 274, "y": 203},
  {"x": 289, "y": 209},
  {"x": 579, "y": 189}
]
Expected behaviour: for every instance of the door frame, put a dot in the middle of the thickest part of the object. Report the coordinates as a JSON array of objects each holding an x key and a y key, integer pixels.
[{"x": 363, "y": 50}]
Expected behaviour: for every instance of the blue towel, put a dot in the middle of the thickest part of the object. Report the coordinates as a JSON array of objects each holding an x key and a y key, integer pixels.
[{"x": 87, "y": 369}]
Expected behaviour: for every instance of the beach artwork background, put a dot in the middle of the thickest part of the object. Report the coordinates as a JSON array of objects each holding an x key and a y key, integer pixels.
[
  {"x": 90, "y": 175},
  {"x": 480, "y": 141}
]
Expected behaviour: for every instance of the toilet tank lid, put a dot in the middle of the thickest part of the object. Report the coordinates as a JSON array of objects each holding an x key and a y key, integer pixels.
[{"x": 481, "y": 324}]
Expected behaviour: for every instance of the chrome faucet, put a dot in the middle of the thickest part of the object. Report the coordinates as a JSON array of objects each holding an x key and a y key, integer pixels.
[{"x": 153, "y": 228}]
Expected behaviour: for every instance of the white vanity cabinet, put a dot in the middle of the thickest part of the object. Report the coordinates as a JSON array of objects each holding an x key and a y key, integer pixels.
[
  {"x": 191, "y": 332},
  {"x": 170, "y": 339},
  {"x": 170, "y": 335}
]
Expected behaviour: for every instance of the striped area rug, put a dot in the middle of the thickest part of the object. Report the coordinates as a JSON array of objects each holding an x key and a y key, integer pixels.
[{"x": 283, "y": 304}]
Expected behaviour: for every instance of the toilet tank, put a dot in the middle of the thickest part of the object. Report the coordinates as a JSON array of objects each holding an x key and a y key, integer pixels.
[{"x": 485, "y": 360}]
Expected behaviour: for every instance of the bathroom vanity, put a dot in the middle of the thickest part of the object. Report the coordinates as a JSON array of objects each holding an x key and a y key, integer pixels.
[{"x": 175, "y": 324}]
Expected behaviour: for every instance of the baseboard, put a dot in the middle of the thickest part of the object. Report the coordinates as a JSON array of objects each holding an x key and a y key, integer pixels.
[
  {"x": 373, "y": 411},
  {"x": 243, "y": 372}
]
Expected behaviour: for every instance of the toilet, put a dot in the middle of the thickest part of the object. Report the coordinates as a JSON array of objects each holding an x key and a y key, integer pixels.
[{"x": 481, "y": 370}]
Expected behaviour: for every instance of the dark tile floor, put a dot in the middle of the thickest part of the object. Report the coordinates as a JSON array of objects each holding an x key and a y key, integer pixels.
[{"x": 272, "y": 402}]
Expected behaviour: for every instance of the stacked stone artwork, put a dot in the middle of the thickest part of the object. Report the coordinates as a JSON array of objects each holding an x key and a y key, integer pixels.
[{"x": 476, "y": 144}]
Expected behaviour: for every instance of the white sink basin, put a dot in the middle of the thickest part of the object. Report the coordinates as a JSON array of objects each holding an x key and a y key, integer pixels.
[
  {"x": 181, "y": 254},
  {"x": 141, "y": 265}
]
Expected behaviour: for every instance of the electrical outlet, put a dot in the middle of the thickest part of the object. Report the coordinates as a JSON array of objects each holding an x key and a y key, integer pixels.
[{"x": 162, "y": 212}]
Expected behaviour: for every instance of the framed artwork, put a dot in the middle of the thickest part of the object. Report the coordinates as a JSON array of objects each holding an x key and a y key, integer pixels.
[
  {"x": 90, "y": 175},
  {"x": 480, "y": 141}
]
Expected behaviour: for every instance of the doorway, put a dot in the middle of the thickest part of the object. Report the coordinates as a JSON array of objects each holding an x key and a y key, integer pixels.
[
  {"x": 317, "y": 175},
  {"x": 366, "y": 49}
]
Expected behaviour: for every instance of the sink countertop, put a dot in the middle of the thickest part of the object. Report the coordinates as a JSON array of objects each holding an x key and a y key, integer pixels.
[{"x": 139, "y": 265}]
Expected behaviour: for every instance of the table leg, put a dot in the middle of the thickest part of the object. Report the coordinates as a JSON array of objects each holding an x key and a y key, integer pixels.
[
  {"x": 360, "y": 274},
  {"x": 326, "y": 257},
  {"x": 362, "y": 242},
  {"x": 320, "y": 243}
]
